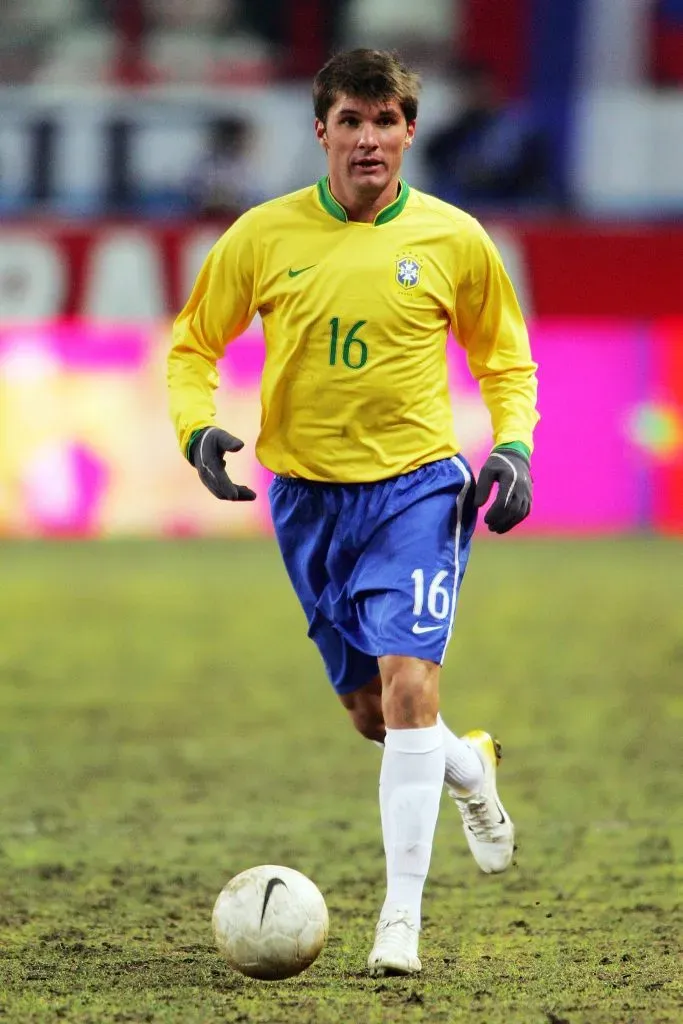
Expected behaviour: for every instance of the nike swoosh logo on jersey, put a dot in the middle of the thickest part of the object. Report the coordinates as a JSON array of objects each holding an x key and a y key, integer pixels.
[
  {"x": 295, "y": 273},
  {"x": 417, "y": 628}
]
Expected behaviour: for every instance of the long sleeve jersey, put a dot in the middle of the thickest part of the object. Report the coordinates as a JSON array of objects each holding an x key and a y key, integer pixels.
[{"x": 356, "y": 318}]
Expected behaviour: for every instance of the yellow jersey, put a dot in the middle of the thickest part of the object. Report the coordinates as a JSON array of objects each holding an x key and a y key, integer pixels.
[{"x": 356, "y": 318}]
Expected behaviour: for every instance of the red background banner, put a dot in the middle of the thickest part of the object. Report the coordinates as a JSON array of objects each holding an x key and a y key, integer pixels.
[{"x": 589, "y": 270}]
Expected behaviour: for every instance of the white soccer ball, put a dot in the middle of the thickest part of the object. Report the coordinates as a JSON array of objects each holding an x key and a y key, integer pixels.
[{"x": 270, "y": 922}]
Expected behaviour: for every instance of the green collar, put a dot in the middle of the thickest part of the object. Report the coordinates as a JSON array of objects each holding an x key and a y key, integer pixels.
[{"x": 336, "y": 210}]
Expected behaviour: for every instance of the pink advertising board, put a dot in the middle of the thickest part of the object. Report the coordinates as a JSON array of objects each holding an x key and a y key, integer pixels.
[
  {"x": 81, "y": 404},
  {"x": 588, "y": 473}
]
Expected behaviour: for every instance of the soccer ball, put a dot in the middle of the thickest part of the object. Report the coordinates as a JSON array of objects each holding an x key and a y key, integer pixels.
[{"x": 270, "y": 922}]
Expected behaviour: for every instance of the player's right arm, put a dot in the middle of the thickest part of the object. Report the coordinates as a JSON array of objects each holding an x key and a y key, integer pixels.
[{"x": 221, "y": 306}]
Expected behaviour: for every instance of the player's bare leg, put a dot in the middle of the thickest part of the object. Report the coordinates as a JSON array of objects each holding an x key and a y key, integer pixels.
[{"x": 365, "y": 708}]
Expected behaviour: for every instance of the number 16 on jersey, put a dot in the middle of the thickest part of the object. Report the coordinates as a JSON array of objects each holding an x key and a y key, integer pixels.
[{"x": 354, "y": 351}]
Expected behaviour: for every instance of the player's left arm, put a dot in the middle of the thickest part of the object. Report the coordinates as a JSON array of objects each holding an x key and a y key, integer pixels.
[{"x": 488, "y": 322}]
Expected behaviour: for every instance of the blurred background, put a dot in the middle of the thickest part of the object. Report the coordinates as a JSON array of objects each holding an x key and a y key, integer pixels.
[{"x": 132, "y": 132}]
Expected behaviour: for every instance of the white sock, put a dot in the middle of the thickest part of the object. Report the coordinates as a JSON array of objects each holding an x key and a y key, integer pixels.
[
  {"x": 464, "y": 769},
  {"x": 410, "y": 784}
]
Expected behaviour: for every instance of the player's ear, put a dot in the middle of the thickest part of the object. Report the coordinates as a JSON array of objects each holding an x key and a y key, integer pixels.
[
  {"x": 410, "y": 134},
  {"x": 321, "y": 133}
]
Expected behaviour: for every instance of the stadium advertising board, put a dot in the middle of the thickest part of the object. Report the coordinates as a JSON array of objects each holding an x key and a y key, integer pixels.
[{"x": 75, "y": 398}]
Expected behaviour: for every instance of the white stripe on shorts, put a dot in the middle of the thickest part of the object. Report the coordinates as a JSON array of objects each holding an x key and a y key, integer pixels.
[{"x": 460, "y": 502}]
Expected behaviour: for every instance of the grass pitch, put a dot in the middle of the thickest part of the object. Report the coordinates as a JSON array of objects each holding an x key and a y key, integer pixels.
[{"x": 165, "y": 723}]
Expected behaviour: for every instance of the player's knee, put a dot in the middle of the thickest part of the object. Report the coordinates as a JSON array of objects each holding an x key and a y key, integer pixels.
[{"x": 410, "y": 692}]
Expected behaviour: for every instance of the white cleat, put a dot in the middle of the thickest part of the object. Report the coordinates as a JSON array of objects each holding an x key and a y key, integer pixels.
[
  {"x": 395, "y": 949},
  {"x": 488, "y": 829}
]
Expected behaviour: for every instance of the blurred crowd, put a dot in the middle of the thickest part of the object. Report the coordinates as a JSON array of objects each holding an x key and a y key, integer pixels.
[
  {"x": 498, "y": 136},
  {"x": 172, "y": 41},
  {"x": 67, "y": 42}
]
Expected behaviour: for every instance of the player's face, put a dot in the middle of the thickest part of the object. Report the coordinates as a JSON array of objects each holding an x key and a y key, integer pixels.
[{"x": 365, "y": 142}]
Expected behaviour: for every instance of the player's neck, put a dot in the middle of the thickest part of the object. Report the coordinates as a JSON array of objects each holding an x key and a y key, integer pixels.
[{"x": 363, "y": 208}]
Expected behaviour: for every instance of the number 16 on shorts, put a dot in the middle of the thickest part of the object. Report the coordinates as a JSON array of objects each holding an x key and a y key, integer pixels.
[{"x": 431, "y": 598}]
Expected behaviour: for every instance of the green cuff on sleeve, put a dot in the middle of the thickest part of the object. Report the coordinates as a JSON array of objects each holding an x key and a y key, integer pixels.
[
  {"x": 515, "y": 446},
  {"x": 193, "y": 437}
]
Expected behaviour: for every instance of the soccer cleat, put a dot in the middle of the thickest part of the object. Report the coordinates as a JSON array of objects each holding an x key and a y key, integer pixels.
[
  {"x": 395, "y": 948},
  {"x": 488, "y": 829}
]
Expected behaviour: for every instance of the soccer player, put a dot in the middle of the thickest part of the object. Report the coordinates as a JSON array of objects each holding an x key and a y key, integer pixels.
[{"x": 358, "y": 280}]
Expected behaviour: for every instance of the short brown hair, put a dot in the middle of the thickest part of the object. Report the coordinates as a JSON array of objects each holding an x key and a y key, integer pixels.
[{"x": 376, "y": 75}]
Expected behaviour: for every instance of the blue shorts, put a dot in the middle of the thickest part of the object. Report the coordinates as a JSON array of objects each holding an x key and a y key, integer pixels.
[{"x": 377, "y": 567}]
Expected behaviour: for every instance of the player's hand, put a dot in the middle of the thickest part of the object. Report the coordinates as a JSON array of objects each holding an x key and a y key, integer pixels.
[
  {"x": 208, "y": 449},
  {"x": 509, "y": 469}
]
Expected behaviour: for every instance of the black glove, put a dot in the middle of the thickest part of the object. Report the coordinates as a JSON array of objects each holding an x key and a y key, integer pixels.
[
  {"x": 508, "y": 468},
  {"x": 206, "y": 455}
]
